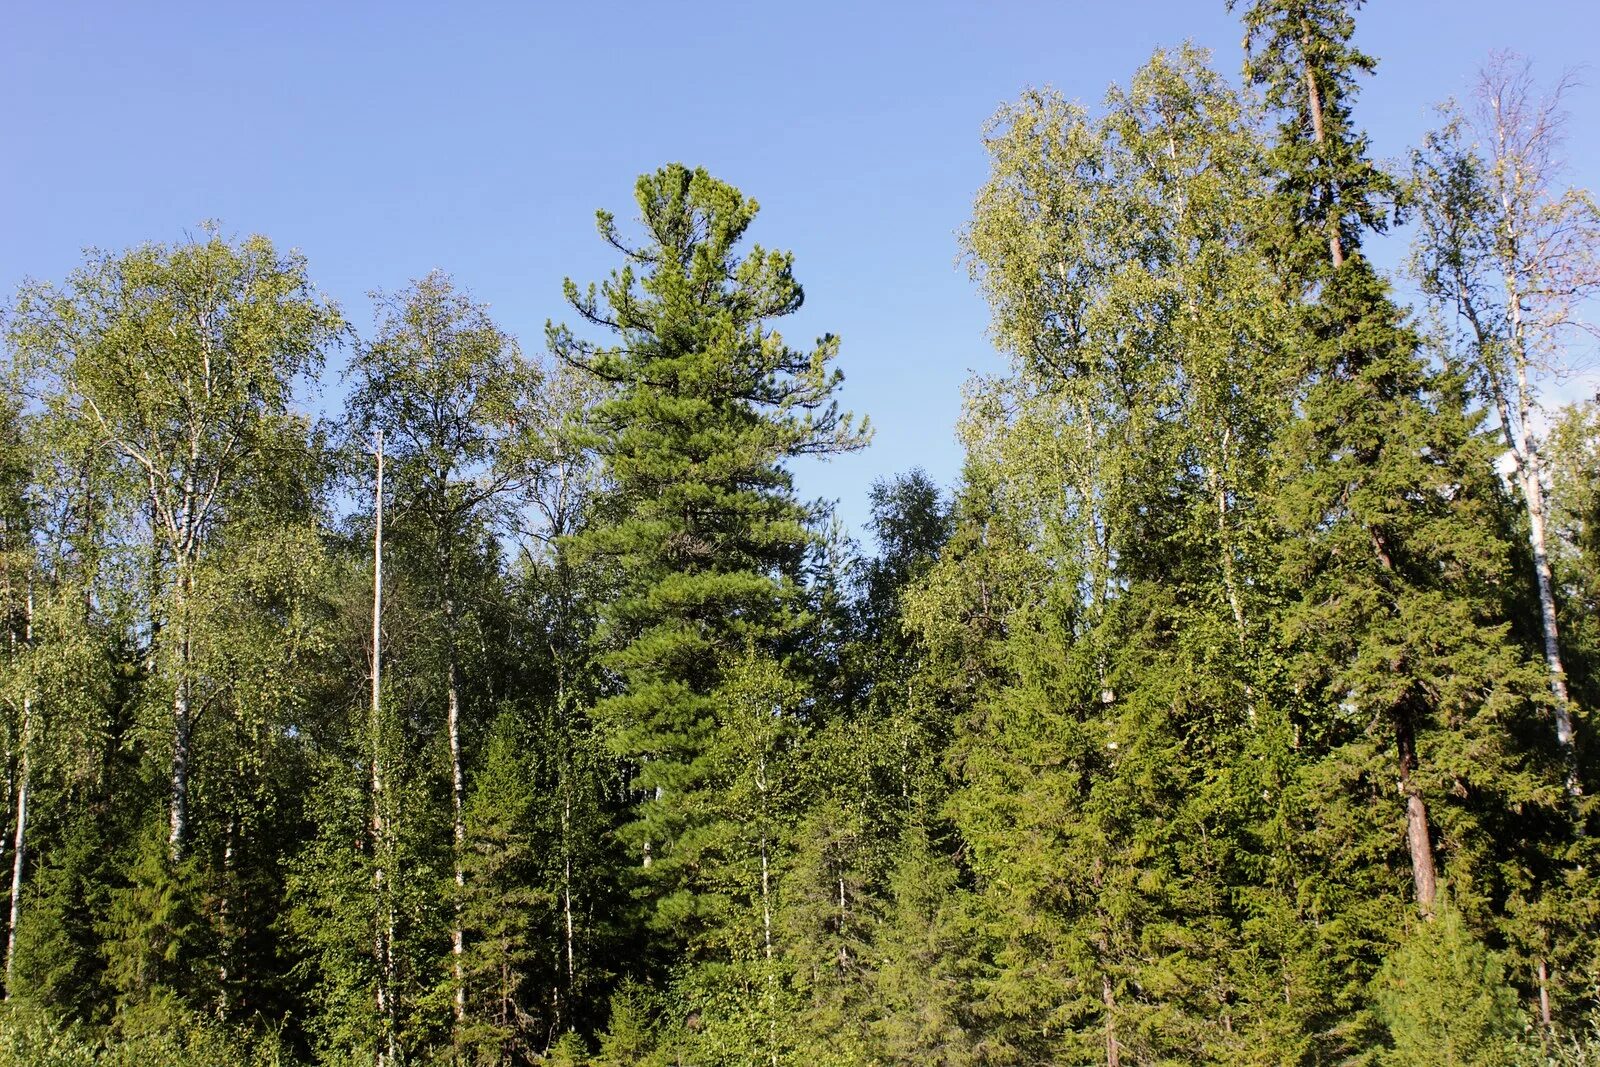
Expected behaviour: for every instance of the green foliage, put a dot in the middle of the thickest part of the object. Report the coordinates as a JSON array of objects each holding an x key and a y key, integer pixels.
[
  {"x": 1443, "y": 997},
  {"x": 30, "y": 1037},
  {"x": 699, "y": 517},
  {"x": 1152, "y": 741}
]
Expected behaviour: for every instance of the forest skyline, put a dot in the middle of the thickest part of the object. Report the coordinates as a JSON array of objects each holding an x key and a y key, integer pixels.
[
  {"x": 517, "y": 164},
  {"x": 523, "y": 702}
]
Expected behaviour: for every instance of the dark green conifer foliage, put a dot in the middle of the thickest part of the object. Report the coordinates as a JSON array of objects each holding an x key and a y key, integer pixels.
[
  {"x": 699, "y": 520},
  {"x": 1393, "y": 557}
]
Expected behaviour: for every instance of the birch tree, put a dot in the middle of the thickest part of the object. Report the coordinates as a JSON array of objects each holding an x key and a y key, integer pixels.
[
  {"x": 450, "y": 392},
  {"x": 179, "y": 363},
  {"x": 1516, "y": 255}
]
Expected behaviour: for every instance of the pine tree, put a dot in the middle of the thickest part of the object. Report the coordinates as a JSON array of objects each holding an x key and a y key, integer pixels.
[
  {"x": 699, "y": 521},
  {"x": 1444, "y": 999}
]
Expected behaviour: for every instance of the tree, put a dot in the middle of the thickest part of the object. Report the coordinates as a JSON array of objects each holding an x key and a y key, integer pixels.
[
  {"x": 1121, "y": 461},
  {"x": 180, "y": 362},
  {"x": 1444, "y": 998},
  {"x": 449, "y": 390},
  {"x": 706, "y": 405},
  {"x": 1515, "y": 256}
]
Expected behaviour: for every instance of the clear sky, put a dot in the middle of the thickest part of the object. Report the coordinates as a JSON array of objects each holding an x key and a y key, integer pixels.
[{"x": 384, "y": 140}]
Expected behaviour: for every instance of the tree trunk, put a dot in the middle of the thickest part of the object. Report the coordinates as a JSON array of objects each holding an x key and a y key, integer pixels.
[
  {"x": 1318, "y": 135},
  {"x": 457, "y": 808},
  {"x": 383, "y": 914},
  {"x": 566, "y": 881},
  {"x": 19, "y": 848},
  {"x": 1533, "y": 499},
  {"x": 182, "y": 722},
  {"x": 1419, "y": 844},
  {"x": 1113, "y": 1047}
]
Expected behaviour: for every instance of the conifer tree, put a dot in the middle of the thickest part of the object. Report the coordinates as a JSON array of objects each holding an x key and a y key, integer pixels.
[
  {"x": 707, "y": 404},
  {"x": 1403, "y": 664}
]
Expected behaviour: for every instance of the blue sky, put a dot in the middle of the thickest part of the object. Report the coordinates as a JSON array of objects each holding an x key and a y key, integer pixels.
[{"x": 384, "y": 140}]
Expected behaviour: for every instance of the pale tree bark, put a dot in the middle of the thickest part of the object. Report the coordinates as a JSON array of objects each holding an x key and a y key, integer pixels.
[
  {"x": 1548, "y": 266},
  {"x": 458, "y": 818},
  {"x": 1518, "y": 258},
  {"x": 19, "y": 848},
  {"x": 383, "y": 910}
]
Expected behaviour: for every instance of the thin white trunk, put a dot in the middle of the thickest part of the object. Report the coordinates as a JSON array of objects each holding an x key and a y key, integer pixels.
[
  {"x": 184, "y": 553},
  {"x": 178, "y": 811},
  {"x": 844, "y": 952},
  {"x": 24, "y": 775},
  {"x": 566, "y": 881},
  {"x": 457, "y": 810},
  {"x": 766, "y": 899},
  {"x": 766, "y": 875},
  {"x": 1544, "y": 994},
  {"x": 1527, "y": 457},
  {"x": 383, "y": 913},
  {"x": 19, "y": 847}
]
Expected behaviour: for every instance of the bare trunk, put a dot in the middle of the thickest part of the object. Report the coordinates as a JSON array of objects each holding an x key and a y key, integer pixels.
[
  {"x": 383, "y": 914},
  {"x": 182, "y": 719},
  {"x": 566, "y": 882},
  {"x": 1113, "y": 1047},
  {"x": 185, "y": 552},
  {"x": 766, "y": 900},
  {"x": 1544, "y": 994},
  {"x": 1314, "y": 106},
  {"x": 1533, "y": 491},
  {"x": 19, "y": 848},
  {"x": 457, "y": 808},
  {"x": 766, "y": 880},
  {"x": 178, "y": 813},
  {"x": 1419, "y": 844},
  {"x": 844, "y": 953}
]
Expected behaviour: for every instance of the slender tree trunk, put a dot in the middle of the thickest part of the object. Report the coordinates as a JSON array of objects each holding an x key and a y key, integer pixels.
[
  {"x": 182, "y": 719},
  {"x": 844, "y": 952},
  {"x": 566, "y": 881},
  {"x": 1419, "y": 844},
  {"x": 383, "y": 913},
  {"x": 457, "y": 808},
  {"x": 1318, "y": 134},
  {"x": 178, "y": 814},
  {"x": 19, "y": 848},
  {"x": 1544, "y": 994},
  {"x": 766, "y": 878},
  {"x": 18, "y": 854},
  {"x": 1533, "y": 495},
  {"x": 1113, "y": 1046}
]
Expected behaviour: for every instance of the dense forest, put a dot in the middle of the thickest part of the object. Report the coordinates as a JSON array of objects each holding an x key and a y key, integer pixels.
[{"x": 1235, "y": 706}]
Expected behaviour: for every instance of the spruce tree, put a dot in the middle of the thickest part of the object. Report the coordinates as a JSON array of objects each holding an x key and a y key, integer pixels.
[{"x": 1413, "y": 700}]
